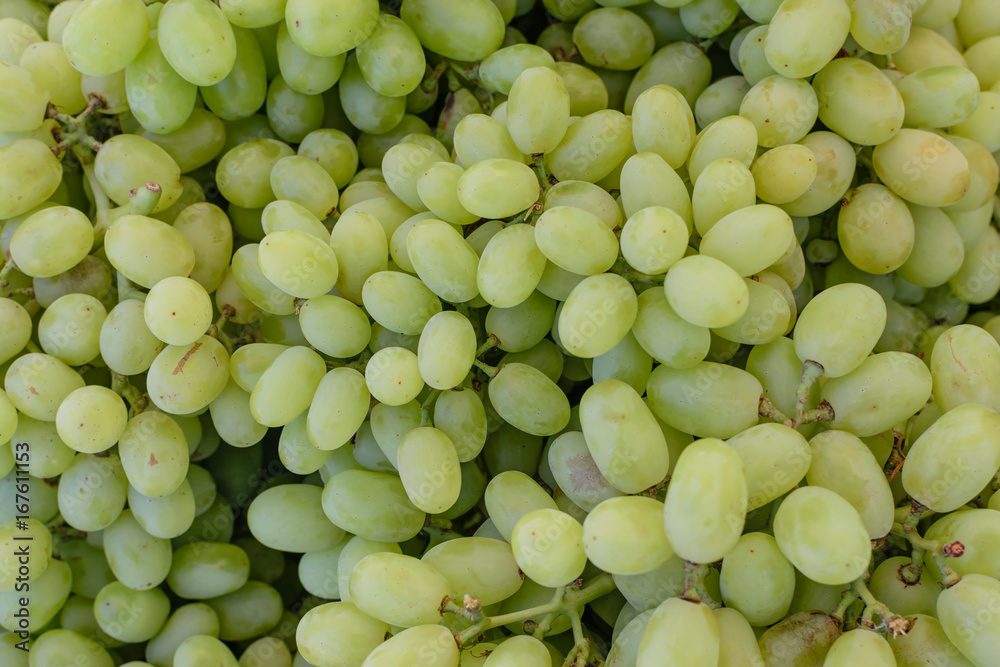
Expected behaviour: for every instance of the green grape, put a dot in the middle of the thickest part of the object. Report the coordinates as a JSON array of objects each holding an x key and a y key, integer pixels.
[
  {"x": 267, "y": 652},
  {"x": 775, "y": 459},
  {"x": 757, "y": 580},
  {"x": 232, "y": 418},
  {"x": 215, "y": 523},
  {"x": 664, "y": 335},
  {"x": 938, "y": 251},
  {"x": 971, "y": 283},
  {"x": 858, "y": 102},
  {"x": 248, "y": 612},
  {"x": 678, "y": 65},
  {"x": 478, "y": 566},
  {"x": 879, "y": 26},
  {"x": 127, "y": 162},
  {"x": 304, "y": 72},
  {"x": 524, "y": 397},
  {"x": 510, "y": 267},
  {"x": 92, "y": 491},
  {"x": 854, "y": 304},
  {"x": 397, "y": 589},
  {"x": 353, "y": 552},
  {"x": 749, "y": 240},
  {"x": 860, "y": 646},
  {"x": 653, "y": 239},
  {"x": 31, "y": 175},
  {"x": 243, "y": 174},
  {"x": 705, "y": 291},
  {"x": 955, "y": 89},
  {"x": 446, "y": 350},
  {"x": 708, "y": 18},
  {"x": 70, "y": 328},
  {"x": 576, "y": 473},
  {"x": 560, "y": 234},
  {"x": 203, "y": 488},
  {"x": 625, "y": 535},
  {"x": 613, "y": 38},
  {"x": 285, "y": 214},
  {"x": 976, "y": 530},
  {"x": 129, "y": 244},
  {"x": 210, "y": 234},
  {"x": 627, "y": 361},
  {"x": 875, "y": 229},
  {"x": 693, "y": 400},
  {"x": 350, "y": 335},
  {"x": 45, "y": 596},
  {"x": 399, "y": 302},
  {"x": 499, "y": 70},
  {"x": 403, "y": 166},
  {"x": 298, "y": 263},
  {"x": 497, "y": 188},
  {"x": 597, "y": 315},
  {"x": 983, "y": 173},
  {"x": 623, "y": 437},
  {"x": 253, "y": 13},
  {"x": 139, "y": 560},
  {"x": 330, "y": 30},
  {"x": 437, "y": 188},
  {"x": 575, "y": 158},
  {"x": 318, "y": 571},
  {"x": 512, "y": 494},
  {"x": 203, "y": 649},
  {"x": 296, "y": 451},
  {"x": 434, "y": 21},
  {"x": 17, "y": 329},
  {"x": 49, "y": 456},
  {"x": 17, "y": 36},
  {"x": 822, "y": 535},
  {"x": 49, "y": 67},
  {"x": 338, "y": 408},
  {"x": 420, "y": 646},
  {"x": 964, "y": 374},
  {"x": 392, "y": 59},
  {"x": 77, "y": 615},
  {"x": 187, "y": 378},
  {"x": 939, "y": 178},
  {"x": 178, "y": 310},
  {"x": 127, "y": 344},
  {"x": 390, "y": 423},
  {"x": 966, "y": 433},
  {"x": 782, "y": 110},
  {"x": 509, "y": 448},
  {"x": 586, "y": 196},
  {"x": 732, "y": 137},
  {"x": 537, "y": 112},
  {"x": 205, "y": 55},
  {"x": 883, "y": 390},
  {"x": 273, "y": 402},
  {"x": 768, "y": 315},
  {"x": 204, "y": 570},
  {"x": 154, "y": 454},
  {"x": 292, "y": 114},
  {"x": 888, "y": 584},
  {"x": 40, "y": 548},
  {"x": 367, "y": 109},
  {"x": 38, "y": 383},
  {"x": 680, "y": 632},
  {"x": 625, "y": 647},
  {"x": 523, "y": 326},
  {"x": 647, "y": 180},
  {"x": 844, "y": 464},
  {"x": 548, "y": 547},
  {"x": 518, "y": 650},
  {"x": 300, "y": 180},
  {"x": 460, "y": 414},
  {"x": 784, "y": 173},
  {"x": 926, "y": 643},
  {"x": 479, "y": 137},
  {"x": 835, "y": 163},
  {"x": 59, "y": 646},
  {"x": 91, "y": 276},
  {"x": 159, "y": 98},
  {"x": 720, "y": 99},
  {"x": 24, "y": 110},
  {"x": 804, "y": 36},
  {"x": 334, "y": 151},
  {"x": 357, "y": 634},
  {"x": 243, "y": 90},
  {"x": 371, "y": 504},
  {"x": 193, "y": 192},
  {"x": 359, "y": 240},
  {"x": 443, "y": 260},
  {"x": 704, "y": 514},
  {"x": 166, "y": 517},
  {"x": 392, "y": 376},
  {"x": 750, "y": 57},
  {"x": 103, "y": 36},
  {"x": 980, "y": 126}
]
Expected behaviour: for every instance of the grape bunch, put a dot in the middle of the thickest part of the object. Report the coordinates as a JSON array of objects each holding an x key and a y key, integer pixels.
[{"x": 500, "y": 333}]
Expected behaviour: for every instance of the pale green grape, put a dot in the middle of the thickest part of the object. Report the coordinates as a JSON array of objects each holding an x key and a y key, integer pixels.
[
  {"x": 178, "y": 310},
  {"x": 446, "y": 350},
  {"x": 139, "y": 560},
  {"x": 537, "y": 112},
  {"x": 732, "y": 137},
  {"x": 512, "y": 494},
  {"x": 297, "y": 452},
  {"x": 880, "y": 26},
  {"x": 399, "y": 302},
  {"x": 353, "y": 552},
  {"x": 647, "y": 180},
  {"x": 159, "y": 98},
  {"x": 24, "y": 110},
  {"x": 17, "y": 329},
  {"x": 575, "y": 158},
  {"x": 966, "y": 434},
  {"x": 875, "y": 229},
  {"x": 286, "y": 214},
  {"x": 522, "y": 651},
  {"x": 253, "y": 13},
  {"x": 38, "y": 383},
  {"x": 300, "y": 180},
  {"x": 397, "y": 589},
  {"x": 597, "y": 315},
  {"x": 509, "y": 448},
  {"x": 751, "y": 58},
  {"x": 166, "y": 517},
  {"x": 707, "y": 399},
  {"x": 248, "y": 612},
  {"x": 822, "y": 535},
  {"x": 297, "y": 263},
  {"x": 334, "y": 326},
  {"x": 805, "y": 35},
  {"x": 623, "y": 437},
  {"x": 720, "y": 99},
  {"x": 523, "y": 326},
  {"x": 187, "y": 378},
  {"x": 334, "y": 151},
  {"x": 479, "y": 137},
  {"x": 70, "y": 328},
  {"x": 705, "y": 291},
  {"x": 548, "y": 547},
  {"x": 888, "y": 585},
  {"x": 586, "y": 196},
  {"x": 576, "y": 473},
  {"x": 44, "y": 597},
  {"x": 146, "y": 250},
  {"x": 757, "y": 580},
  {"x": 653, "y": 239},
  {"x": 204, "y": 570},
  {"x": 443, "y": 260},
  {"x": 784, "y": 173},
  {"x": 268, "y": 519},
  {"x": 667, "y": 337},
  {"x": 983, "y": 172},
  {"x": 461, "y": 415},
  {"x": 203, "y": 649},
  {"x": 971, "y": 283},
  {"x": 859, "y": 313},
  {"x": 91, "y": 276},
  {"x": 317, "y": 571},
  {"x": 858, "y": 102},
  {"x": 392, "y": 376},
  {"x": 371, "y": 504},
  {"x": 434, "y": 23},
  {"x": 127, "y": 162},
  {"x": 391, "y": 59},
  {"x": 17, "y": 36},
  {"x": 940, "y": 177},
  {"x": 499, "y": 70},
  {"x": 31, "y": 174},
  {"x": 768, "y": 315},
  {"x": 680, "y": 632},
  {"x": 154, "y": 454},
  {"x": 197, "y": 41},
  {"x": 49, "y": 456},
  {"x": 613, "y": 38},
  {"x": 265, "y": 652},
  {"x": 292, "y": 115},
  {"x": 860, "y": 646},
  {"x": 8, "y": 425},
  {"x": 939, "y": 96},
  {"x": 203, "y": 488},
  {"x": 304, "y": 72},
  {"x": 338, "y": 408},
  {"x": 937, "y": 253},
  {"x": 576, "y": 240},
  {"x": 329, "y": 30},
  {"x": 708, "y": 18},
  {"x": 976, "y": 529},
  {"x": 926, "y": 642},
  {"x": 497, "y": 188},
  {"x": 360, "y": 242},
  {"x": 356, "y": 634},
  {"x": 249, "y": 362},
  {"x": 782, "y": 110},
  {"x": 510, "y": 266},
  {"x": 390, "y": 423},
  {"x": 775, "y": 459},
  {"x": 704, "y": 511},
  {"x": 232, "y": 417},
  {"x": 478, "y": 566},
  {"x": 883, "y": 390},
  {"x": 437, "y": 188},
  {"x": 963, "y": 364},
  {"x": 103, "y": 36},
  {"x": 676, "y": 64},
  {"x": 286, "y": 387},
  {"x": 627, "y": 361},
  {"x": 749, "y": 240},
  {"x": 92, "y": 491},
  {"x": 981, "y": 124},
  {"x": 243, "y": 90},
  {"x": 524, "y": 397},
  {"x": 59, "y": 646},
  {"x": 49, "y": 67},
  {"x": 367, "y": 109},
  {"x": 40, "y": 547},
  {"x": 420, "y": 646},
  {"x": 625, "y": 535},
  {"x": 210, "y": 234},
  {"x": 402, "y": 167},
  {"x": 835, "y": 164},
  {"x": 244, "y": 172}
]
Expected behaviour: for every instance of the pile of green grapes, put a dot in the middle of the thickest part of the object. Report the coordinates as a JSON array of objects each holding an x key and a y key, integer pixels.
[{"x": 500, "y": 333}]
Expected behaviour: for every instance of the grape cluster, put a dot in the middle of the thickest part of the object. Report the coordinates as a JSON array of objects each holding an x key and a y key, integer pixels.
[{"x": 512, "y": 333}]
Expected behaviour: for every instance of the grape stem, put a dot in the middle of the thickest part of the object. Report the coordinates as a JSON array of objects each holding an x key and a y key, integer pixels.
[
  {"x": 694, "y": 585},
  {"x": 5, "y": 271},
  {"x": 821, "y": 413},
  {"x": 579, "y": 654},
  {"x": 545, "y": 179},
  {"x": 215, "y": 331},
  {"x": 137, "y": 400},
  {"x": 545, "y": 626},
  {"x": 938, "y": 551},
  {"x": 526, "y": 216},
  {"x": 771, "y": 411},
  {"x": 425, "y": 408},
  {"x": 847, "y": 599},
  {"x": 491, "y": 371},
  {"x": 563, "y": 602},
  {"x": 895, "y": 624},
  {"x": 812, "y": 371},
  {"x": 491, "y": 342}
]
